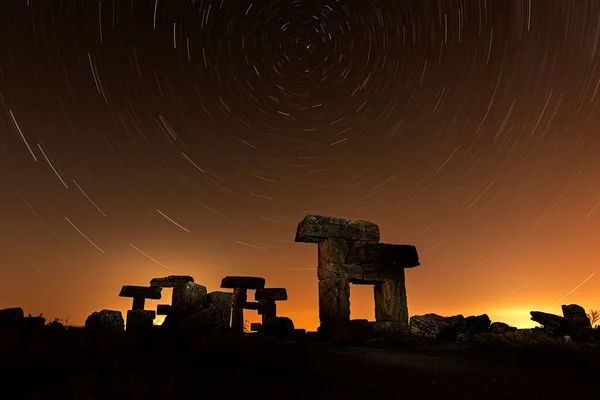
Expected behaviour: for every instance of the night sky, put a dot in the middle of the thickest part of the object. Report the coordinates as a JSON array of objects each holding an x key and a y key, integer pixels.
[{"x": 140, "y": 139}]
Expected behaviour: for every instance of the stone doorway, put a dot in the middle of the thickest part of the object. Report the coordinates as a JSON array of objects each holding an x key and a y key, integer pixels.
[{"x": 362, "y": 302}]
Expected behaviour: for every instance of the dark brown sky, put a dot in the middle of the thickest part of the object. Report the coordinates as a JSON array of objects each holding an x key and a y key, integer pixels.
[{"x": 140, "y": 139}]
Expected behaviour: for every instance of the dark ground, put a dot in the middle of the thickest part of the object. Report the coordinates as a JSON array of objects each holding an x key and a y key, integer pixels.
[{"x": 75, "y": 364}]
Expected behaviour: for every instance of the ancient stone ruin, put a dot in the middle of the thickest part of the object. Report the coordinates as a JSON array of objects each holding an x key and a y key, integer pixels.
[
  {"x": 138, "y": 318},
  {"x": 350, "y": 252}
]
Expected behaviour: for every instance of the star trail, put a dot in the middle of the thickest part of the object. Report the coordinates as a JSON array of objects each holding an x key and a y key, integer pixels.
[{"x": 136, "y": 135}]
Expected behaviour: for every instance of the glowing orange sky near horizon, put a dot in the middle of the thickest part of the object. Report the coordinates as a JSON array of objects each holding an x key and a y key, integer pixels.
[{"x": 466, "y": 128}]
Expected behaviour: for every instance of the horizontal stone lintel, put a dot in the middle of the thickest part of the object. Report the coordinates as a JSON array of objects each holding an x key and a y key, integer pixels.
[
  {"x": 171, "y": 281},
  {"x": 366, "y": 274},
  {"x": 250, "y": 305},
  {"x": 402, "y": 255},
  {"x": 316, "y": 228},
  {"x": 163, "y": 309},
  {"x": 276, "y": 294},
  {"x": 146, "y": 292},
  {"x": 243, "y": 282}
]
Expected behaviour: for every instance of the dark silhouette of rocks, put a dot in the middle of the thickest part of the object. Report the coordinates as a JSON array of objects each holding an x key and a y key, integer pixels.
[
  {"x": 553, "y": 324},
  {"x": 11, "y": 316},
  {"x": 350, "y": 252},
  {"x": 577, "y": 321},
  {"x": 501, "y": 327},
  {"x": 105, "y": 321}
]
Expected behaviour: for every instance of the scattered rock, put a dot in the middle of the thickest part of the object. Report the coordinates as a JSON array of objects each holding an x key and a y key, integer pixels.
[
  {"x": 577, "y": 321},
  {"x": 105, "y": 320},
  {"x": 433, "y": 326},
  {"x": 477, "y": 324},
  {"x": 553, "y": 325},
  {"x": 11, "y": 316},
  {"x": 501, "y": 327}
]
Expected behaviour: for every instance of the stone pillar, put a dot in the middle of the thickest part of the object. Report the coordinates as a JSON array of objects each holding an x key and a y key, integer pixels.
[
  {"x": 240, "y": 296},
  {"x": 138, "y": 303},
  {"x": 334, "y": 308},
  {"x": 391, "y": 304},
  {"x": 267, "y": 309}
]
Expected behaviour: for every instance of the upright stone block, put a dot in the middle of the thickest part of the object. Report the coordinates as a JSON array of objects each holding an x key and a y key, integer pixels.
[
  {"x": 222, "y": 303},
  {"x": 240, "y": 296},
  {"x": 390, "y": 302},
  {"x": 140, "y": 320},
  {"x": 334, "y": 308},
  {"x": 191, "y": 298}
]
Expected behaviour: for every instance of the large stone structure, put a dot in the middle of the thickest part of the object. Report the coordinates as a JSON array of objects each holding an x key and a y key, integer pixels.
[
  {"x": 240, "y": 286},
  {"x": 350, "y": 252}
]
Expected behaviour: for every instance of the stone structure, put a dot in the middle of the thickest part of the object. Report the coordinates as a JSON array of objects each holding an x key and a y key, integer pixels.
[
  {"x": 267, "y": 299},
  {"x": 140, "y": 294},
  {"x": 350, "y": 252},
  {"x": 187, "y": 295},
  {"x": 240, "y": 286},
  {"x": 105, "y": 321}
]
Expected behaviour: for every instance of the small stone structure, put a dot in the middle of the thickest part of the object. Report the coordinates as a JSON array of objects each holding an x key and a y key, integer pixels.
[
  {"x": 139, "y": 319},
  {"x": 350, "y": 252},
  {"x": 267, "y": 299},
  {"x": 240, "y": 286}
]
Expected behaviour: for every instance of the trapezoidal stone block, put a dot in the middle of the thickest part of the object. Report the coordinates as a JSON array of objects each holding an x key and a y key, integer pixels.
[
  {"x": 171, "y": 281},
  {"x": 140, "y": 320},
  {"x": 400, "y": 255},
  {"x": 243, "y": 282},
  {"x": 316, "y": 228},
  {"x": 221, "y": 303},
  {"x": 390, "y": 302},
  {"x": 274, "y": 294}
]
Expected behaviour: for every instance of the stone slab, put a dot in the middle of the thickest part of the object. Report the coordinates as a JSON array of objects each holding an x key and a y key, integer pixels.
[
  {"x": 244, "y": 282},
  {"x": 146, "y": 292},
  {"x": 332, "y": 250},
  {"x": 316, "y": 228},
  {"x": 381, "y": 273},
  {"x": 348, "y": 271},
  {"x": 390, "y": 302},
  {"x": 171, "y": 281},
  {"x": 401, "y": 255},
  {"x": 163, "y": 309},
  {"x": 275, "y": 294}
]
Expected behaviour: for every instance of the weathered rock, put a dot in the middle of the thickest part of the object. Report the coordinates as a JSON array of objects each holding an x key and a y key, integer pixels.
[
  {"x": 147, "y": 292},
  {"x": 352, "y": 272},
  {"x": 501, "y": 327},
  {"x": 240, "y": 297},
  {"x": 11, "y": 316},
  {"x": 332, "y": 251},
  {"x": 171, "y": 281},
  {"x": 140, "y": 320},
  {"x": 577, "y": 321},
  {"x": 390, "y": 302},
  {"x": 221, "y": 303},
  {"x": 361, "y": 330},
  {"x": 391, "y": 330},
  {"x": 140, "y": 294},
  {"x": 251, "y": 305},
  {"x": 390, "y": 255},
  {"x": 244, "y": 282},
  {"x": 192, "y": 299},
  {"x": 275, "y": 294},
  {"x": 433, "y": 326},
  {"x": 315, "y": 228},
  {"x": 334, "y": 300},
  {"x": 552, "y": 324},
  {"x": 477, "y": 324},
  {"x": 374, "y": 273},
  {"x": 105, "y": 320},
  {"x": 278, "y": 326}
]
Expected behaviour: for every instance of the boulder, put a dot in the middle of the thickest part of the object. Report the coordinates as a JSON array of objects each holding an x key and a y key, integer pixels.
[
  {"x": 11, "y": 316},
  {"x": 433, "y": 326},
  {"x": 221, "y": 303},
  {"x": 140, "y": 320},
  {"x": 105, "y": 320},
  {"x": 278, "y": 326},
  {"x": 554, "y": 325},
  {"x": 577, "y": 321},
  {"x": 477, "y": 324},
  {"x": 194, "y": 297},
  {"x": 501, "y": 327}
]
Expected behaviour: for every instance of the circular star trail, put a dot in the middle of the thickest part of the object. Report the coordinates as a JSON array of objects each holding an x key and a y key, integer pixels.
[{"x": 146, "y": 138}]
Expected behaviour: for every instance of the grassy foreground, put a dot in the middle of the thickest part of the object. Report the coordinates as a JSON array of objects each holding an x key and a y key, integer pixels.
[{"x": 76, "y": 364}]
